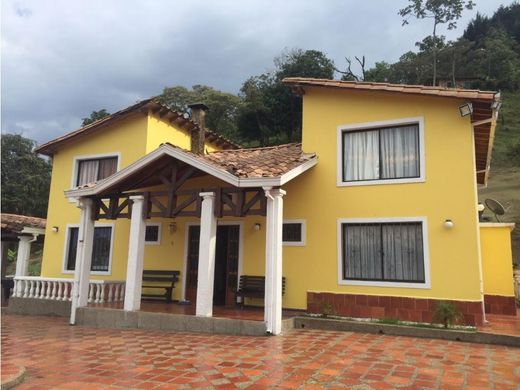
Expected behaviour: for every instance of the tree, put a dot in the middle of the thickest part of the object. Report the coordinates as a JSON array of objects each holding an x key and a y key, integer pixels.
[
  {"x": 442, "y": 12},
  {"x": 95, "y": 116},
  {"x": 271, "y": 113},
  {"x": 25, "y": 177},
  {"x": 223, "y": 106}
]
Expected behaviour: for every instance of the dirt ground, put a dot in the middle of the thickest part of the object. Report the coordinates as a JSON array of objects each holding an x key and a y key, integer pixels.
[{"x": 504, "y": 186}]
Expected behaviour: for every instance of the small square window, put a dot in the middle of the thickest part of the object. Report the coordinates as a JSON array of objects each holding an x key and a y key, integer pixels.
[
  {"x": 152, "y": 235},
  {"x": 293, "y": 233}
]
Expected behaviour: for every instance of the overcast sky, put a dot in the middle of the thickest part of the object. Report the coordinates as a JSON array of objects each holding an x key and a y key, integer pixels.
[{"x": 62, "y": 59}]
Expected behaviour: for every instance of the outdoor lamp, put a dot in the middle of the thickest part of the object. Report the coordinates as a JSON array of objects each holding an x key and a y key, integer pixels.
[
  {"x": 466, "y": 109},
  {"x": 448, "y": 224},
  {"x": 173, "y": 227},
  {"x": 257, "y": 226},
  {"x": 55, "y": 229}
]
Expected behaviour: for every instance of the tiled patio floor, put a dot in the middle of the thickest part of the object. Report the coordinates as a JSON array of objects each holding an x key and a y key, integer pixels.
[
  {"x": 60, "y": 356},
  {"x": 235, "y": 312},
  {"x": 499, "y": 324}
]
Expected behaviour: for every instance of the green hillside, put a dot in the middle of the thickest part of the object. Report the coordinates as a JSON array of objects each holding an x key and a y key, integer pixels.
[
  {"x": 506, "y": 150},
  {"x": 504, "y": 178}
]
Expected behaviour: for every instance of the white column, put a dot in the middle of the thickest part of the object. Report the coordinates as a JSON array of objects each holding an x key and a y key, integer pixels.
[
  {"x": 134, "y": 271},
  {"x": 83, "y": 257},
  {"x": 273, "y": 257},
  {"x": 22, "y": 258},
  {"x": 207, "y": 243}
]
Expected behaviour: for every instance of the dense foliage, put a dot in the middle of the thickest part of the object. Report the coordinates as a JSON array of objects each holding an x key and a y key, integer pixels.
[
  {"x": 265, "y": 112},
  {"x": 95, "y": 116},
  {"x": 25, "y": 177}
]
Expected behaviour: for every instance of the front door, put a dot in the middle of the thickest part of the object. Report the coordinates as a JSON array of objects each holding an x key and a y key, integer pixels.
[{"x": 226, "y": 264}]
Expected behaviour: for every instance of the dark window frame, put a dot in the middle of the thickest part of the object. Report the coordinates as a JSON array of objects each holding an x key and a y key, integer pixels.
[
  {"x": 303, "y": 238},
  {"x": 157, "y": 225},
  {"x": 379, "y": 129},
  {"x": 71, "y": 245},
  {"x": 382, "y": 279},
  {"x": 84, "y": 160}
]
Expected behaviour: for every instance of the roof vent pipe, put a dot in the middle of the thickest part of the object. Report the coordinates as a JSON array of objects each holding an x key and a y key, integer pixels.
[{"x": 198, "y": 134}]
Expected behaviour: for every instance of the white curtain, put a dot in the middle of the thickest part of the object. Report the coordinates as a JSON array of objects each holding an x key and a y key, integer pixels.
[
  {"x": 361, "y": 155},
  {"x": 362, "y": 252},
  {"x": 88, "y": 171},
  {"x": 403, "y": 252},
  {"x": 400, "y": 152}
]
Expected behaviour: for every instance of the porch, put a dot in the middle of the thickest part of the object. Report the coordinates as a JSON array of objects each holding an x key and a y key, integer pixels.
[{"x": 206, "y": 195}]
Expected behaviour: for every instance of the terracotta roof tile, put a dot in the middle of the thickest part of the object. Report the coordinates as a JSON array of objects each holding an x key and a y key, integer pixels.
[
  {"x": 273, "y": 161},
  {"x": 50, "y": 147},
  {"x": 400, "y": 88},
  {"x": 14, "y": 223}
]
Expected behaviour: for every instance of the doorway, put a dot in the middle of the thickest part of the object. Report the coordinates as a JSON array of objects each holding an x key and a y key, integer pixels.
[{"x": 226, "y": 264}]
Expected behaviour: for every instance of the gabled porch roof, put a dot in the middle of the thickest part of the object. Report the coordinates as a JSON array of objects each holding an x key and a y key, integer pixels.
[{"x": 243, "y": 168}]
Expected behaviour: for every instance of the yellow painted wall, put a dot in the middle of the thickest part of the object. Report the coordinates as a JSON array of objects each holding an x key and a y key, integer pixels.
[
  {"x": 497, "y": 259},
  {"x": 160, "y": 131},
  {"x": 128, "y": 138},
  {"x": 448, "y": 192}
]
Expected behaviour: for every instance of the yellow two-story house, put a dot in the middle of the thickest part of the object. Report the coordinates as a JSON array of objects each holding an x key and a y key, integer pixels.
[{"x": 373, "y": 215}]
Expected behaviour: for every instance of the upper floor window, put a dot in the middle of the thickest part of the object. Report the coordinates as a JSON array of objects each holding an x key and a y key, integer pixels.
[
  {"x": 95, "y": 169},
  {"x": 381, "y": 153}
]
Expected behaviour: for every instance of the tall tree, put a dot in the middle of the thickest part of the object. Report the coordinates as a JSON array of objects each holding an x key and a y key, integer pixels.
[
  {"x": 271, "y": 112},
  {"x": 25, "y": 177},
  {"x": 95, "y": 116},
  {"x": 223, "y": 106},
  {"x": 441, "y": 12}
]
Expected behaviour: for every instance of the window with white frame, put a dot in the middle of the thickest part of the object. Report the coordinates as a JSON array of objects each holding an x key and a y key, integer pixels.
[
  {"x": 101, "y": 249},
  {"x": 293, "y": 232},
  {"x": 383, "y": 252},
  {"x": 152, "y": 234},
  {"x": 95, "y": 169},
  {"x": 388, "y": 151}
]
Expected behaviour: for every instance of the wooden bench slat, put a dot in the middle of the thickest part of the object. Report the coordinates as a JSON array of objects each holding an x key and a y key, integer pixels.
[
  {"x": 162, "y": 279},
  {"x": 253, "y": 287}
]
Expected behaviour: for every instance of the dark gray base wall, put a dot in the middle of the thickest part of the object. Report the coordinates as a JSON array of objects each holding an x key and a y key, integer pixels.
[
  {"x": 114, "y": 318},
  {"x": 38, "y": 307}
]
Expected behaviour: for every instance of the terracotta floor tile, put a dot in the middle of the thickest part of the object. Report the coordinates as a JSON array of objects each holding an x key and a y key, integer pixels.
[{"x": 57, "y": 356}]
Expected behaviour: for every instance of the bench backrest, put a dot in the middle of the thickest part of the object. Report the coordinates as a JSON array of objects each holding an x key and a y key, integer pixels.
[
  {"x": 161, "y": 276},
  {"x": 255, "y": 283}
]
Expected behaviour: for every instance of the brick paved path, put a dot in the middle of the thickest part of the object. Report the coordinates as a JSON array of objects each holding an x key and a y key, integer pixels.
[{"x": 60, "y": 356}]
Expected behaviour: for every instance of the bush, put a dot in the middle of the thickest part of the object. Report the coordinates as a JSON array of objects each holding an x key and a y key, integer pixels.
[{"x": 446, "y": 313}]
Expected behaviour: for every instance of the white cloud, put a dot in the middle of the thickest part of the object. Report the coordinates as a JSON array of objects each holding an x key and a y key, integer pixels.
[{"x": 63, "y": 59}]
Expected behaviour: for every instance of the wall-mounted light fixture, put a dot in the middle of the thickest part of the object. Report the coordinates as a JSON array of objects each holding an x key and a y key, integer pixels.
[
  {"x": 466, "y": 109},
  {"x": 55, "y": 229},
  {"x": 172, "y": 227},
  {"x": 448, "y": 224},
  {"x": 258, "y": 226}
]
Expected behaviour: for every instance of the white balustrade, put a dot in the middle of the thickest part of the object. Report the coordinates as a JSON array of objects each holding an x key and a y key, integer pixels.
[{"x": 60, "y": 289}]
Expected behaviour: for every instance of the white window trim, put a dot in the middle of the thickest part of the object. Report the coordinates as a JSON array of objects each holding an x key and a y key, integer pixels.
[
  {"x": 77, "y": 159},
  {"x": 159, "y": 225},
  {"x": 304, "y": 233},
  {"x": 426, "y": 252},
  {"x": 373, "y": 125},
  {"x": 64, "y": 269},
  {"x": 240, "y": 271}
]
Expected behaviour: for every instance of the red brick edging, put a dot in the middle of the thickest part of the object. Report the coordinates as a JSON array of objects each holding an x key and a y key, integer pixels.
[
  {"x": 498, "y": 304},
  {"x": 381, "y": 307}
]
